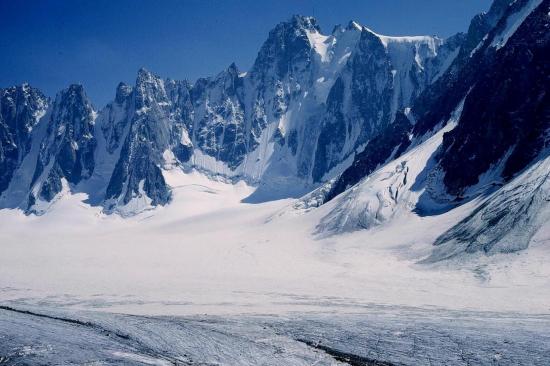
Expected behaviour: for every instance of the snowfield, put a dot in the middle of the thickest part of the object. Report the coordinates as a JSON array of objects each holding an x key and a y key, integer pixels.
[
  {"x": 210, "y": 280},
  {"x": 207, "y": 252},
  {"x": 353, "y": 199}
]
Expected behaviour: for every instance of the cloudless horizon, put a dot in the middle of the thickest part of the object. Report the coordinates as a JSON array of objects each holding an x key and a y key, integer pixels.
[{"x": 51, "y": 44}]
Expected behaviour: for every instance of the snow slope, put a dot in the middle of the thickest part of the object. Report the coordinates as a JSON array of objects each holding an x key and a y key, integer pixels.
[
  {"x": 392, "y": 189},
  {"x": 507, "y": 221},
  {"x": 208, "y": 252}
]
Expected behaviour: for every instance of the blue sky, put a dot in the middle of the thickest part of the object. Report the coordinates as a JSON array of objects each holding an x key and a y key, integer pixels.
[{"x": 102, "y": 42}]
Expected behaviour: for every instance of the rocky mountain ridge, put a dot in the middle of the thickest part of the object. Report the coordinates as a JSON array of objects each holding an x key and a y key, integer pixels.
[
  {"x": 307, "y": 105},
  {"x": 480, "y": 133}
]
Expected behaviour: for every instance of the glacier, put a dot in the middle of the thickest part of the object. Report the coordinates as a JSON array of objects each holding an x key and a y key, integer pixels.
[{"x": 352, "y": 198}]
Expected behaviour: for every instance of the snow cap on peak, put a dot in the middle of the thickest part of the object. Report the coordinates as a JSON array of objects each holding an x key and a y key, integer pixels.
[
  {"x": 144, "y": 76},
  {"x": 368, "y": 30},
  {"x": 367, "y": 33},
  {"x": 353, "y": 25},
  {"x": 287, "y": 43},
  {"x": 305, "y": 22}
]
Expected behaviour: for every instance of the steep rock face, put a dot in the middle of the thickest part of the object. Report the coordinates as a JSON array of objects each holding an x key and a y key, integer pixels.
[
  {"x": 182, "y": 117},
  {"x": 478, "y": 70},
  {"x": 380, "y": 101},
  {"x": 356, "y": 109},
  {"x": 21, "y": 108},
  {"x": 152, "y": 115},
  {"x": 282, "y": 99},
  {"x": 383, "y": 76},
  {"x": 438, "y": 101},
  {"x": 308, "y": 105},
  {"x": 139, "y": 177},
  {"x": 67, "y": 150},
  {"x": 503, "y": 139},
  {"x": 283, "y": 67},
  {"x": 220, "y": 130},
  {"x": 116, "y": 116},
  {"x": 507, "y": 112},
  {"x": 500, "y": 128},
  {"x": 286, "y": 52}
]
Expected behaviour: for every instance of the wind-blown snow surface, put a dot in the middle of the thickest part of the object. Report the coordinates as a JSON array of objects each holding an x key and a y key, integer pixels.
[{"x": 209, "y": 253}]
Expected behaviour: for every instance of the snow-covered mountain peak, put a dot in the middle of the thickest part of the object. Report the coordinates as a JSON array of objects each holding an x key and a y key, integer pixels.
[
  {"x": 72, "y": 107},
  {"x": 149, "y": 91},
  {"x": 305, "y": 22},
  {"x": 335, "y": 49},
  {"x": 63, "y": 153},
  {"x": 146, "y": 81},
  {"x": 389, "y": 41},
  {"x": 143, "y": 73},
  {"x": 287, "y": 48},
  {"x": 308, "y": 105},
  {"x": 73, "y": 94},
  {"x": 123, "y": 90},
  {"x": 26, "y": 95}
]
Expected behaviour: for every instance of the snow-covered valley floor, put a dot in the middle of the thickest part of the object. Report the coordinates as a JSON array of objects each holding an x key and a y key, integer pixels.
[{"x": 209, "y": 263}]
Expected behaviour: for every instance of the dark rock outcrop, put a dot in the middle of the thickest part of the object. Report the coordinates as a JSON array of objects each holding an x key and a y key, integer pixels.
[
  {"x": 21, "y": 108},
  {"x": 67, "y": 150}
]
